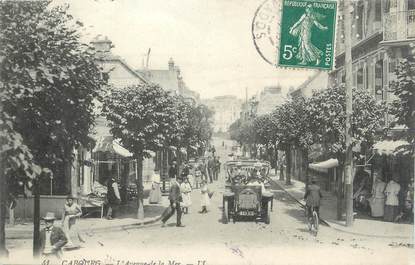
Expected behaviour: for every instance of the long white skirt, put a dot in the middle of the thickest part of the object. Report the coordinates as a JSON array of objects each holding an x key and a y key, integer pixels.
[
  {"x": 205, "y": 200},
  {"x": 187, "y": 199}
]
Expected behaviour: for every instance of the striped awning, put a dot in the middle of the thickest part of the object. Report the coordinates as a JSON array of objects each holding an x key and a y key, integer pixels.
[{"x": 108, "y": 144}]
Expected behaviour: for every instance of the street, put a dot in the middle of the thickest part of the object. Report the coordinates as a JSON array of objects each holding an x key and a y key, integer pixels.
[{"x": 243, "y": 242}]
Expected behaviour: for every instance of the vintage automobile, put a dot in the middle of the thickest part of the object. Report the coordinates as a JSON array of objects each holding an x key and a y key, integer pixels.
[{"x": 247, "y": 193}]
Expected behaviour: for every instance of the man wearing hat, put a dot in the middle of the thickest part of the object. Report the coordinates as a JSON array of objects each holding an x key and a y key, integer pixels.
[
  {"x": 52, "y": 238},
  {"x": 175, "y": 198},
  {"x": 313, "y": 197}
]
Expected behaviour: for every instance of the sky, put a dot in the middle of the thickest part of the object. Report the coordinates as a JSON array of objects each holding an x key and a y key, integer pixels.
[{"x": 210, "y": 40}]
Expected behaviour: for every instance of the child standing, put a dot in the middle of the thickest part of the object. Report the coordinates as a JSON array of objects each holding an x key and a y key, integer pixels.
[
  {"x": 186, "y": 190},
  {"x": 205, "y": 200}
]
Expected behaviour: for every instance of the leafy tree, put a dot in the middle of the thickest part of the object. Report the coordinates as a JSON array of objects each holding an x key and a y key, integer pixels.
[
  {"x": 295, "y": 129},
  {"x": 267, "y": 134},
  {"x": 243, "y": 132},
  {"x": 48, "y": 85},
  {"x": 51, "y": 81},
  {"x": 144, "y": 117},
  {"x": 403, "y": 107},
  {"x": 328, "y": 111}
]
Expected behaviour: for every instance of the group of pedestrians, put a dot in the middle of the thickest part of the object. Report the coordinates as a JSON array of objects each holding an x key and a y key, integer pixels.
[{"x": 184, "y": 183}]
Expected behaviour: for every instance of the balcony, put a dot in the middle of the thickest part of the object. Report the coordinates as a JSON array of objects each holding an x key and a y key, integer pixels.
[{"x": 399, "y": 26}]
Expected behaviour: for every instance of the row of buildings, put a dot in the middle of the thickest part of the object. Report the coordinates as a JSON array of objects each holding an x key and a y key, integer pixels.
[
  {"x": 382, "y": 33},
  {"x": 85, "y": 176}
]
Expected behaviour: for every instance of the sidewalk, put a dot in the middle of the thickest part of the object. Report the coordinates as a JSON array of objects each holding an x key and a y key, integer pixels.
[
  {"x": 127, "y": 218},
  {"x": 361, "y": 227}
]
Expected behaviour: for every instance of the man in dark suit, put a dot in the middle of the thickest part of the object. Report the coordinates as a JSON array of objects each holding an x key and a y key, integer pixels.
[
  {"x": 175, "y": 198},
  {"x": 52, "y": 238},
  {"x": 313, "y": 197}
]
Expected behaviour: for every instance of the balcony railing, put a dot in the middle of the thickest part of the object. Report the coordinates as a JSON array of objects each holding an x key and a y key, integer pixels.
[{"x": 399, "y": 26}]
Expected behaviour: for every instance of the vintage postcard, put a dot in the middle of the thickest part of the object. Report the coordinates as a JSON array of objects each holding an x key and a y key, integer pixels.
[{"x": 221, "y": 132}]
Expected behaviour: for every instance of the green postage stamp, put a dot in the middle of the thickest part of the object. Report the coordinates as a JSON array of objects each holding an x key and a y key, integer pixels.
[{"x": 307, "y": 34}]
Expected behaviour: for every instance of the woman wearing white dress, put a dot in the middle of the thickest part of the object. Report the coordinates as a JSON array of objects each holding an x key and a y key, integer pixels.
[
  {"x": 392, "y": 201},
  {"x": 155, "y": 193},
  {"x": 186, "y": 190},
  {"x": 377, "y": 202},
  {"x": 71, "y": 213},
  {"x": 205, "y": 199}
]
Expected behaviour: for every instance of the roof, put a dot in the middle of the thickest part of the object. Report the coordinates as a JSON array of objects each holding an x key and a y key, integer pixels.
[
  {"x": 109, "y": 57},
  {"x": 167, "y": 79}
]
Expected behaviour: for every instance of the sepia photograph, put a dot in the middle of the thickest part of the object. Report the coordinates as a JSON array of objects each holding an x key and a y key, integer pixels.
[{"x": 194, "y": 132}]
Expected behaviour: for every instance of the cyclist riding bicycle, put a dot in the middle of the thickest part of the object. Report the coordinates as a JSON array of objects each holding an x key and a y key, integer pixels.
[{"x": 312, "y": 198}]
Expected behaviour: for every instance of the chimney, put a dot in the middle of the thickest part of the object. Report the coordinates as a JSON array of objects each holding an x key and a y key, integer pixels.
[
  {"x": 102, "y": 44},
  {"x": 171, "y": 64}
]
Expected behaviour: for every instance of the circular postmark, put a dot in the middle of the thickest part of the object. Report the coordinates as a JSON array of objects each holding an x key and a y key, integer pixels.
[{"x": 265, "y": 30}]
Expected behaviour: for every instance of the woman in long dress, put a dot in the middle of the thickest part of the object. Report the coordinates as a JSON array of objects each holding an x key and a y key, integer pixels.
[
  {"x": 72, "y": 212},
  {"x": 392, "y": 201},
  {"x": 155, "y": 193},
  {"x": 302, "y": 29},
  {"x": 205, "y": 199},
  {"x": 377, "y": 202},
  {"x": 186, "y": 190}
]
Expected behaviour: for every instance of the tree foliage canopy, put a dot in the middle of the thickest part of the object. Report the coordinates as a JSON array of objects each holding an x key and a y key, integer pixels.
[{"x": 49, "y": 82}]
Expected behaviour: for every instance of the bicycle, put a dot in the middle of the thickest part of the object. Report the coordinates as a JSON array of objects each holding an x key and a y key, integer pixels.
[{"x": 312, "y": 221}]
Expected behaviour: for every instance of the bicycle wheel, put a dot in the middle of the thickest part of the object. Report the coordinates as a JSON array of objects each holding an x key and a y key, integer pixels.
[{"x": 315, "y": 222}]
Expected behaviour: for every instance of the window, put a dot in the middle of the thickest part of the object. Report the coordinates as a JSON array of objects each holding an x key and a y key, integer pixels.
[
  {"x": 411, "y": 4},
  {"x": 378, "y": 10},
  {"x": 379, "y": 80},
  {"x": 360, "y": 78}
]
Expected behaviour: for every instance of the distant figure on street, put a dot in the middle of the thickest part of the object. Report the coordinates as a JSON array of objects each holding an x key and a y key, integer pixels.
[
  {"x": 113, "y": 198},
  {"x": 52, "y": 238},
  {"x": 155, "y": 193},
  {"x": 392, "y": 201},
  {"x": 173, "y": 170},
  {"x": 205, "y": 199},
  {"x": 198, "y": 178},
  {"x": 211, "y": 168},
  {"x": 186, "y": 190},
  {"x": 71, "y": 213},
  {"x": 217, "y": 167},
  {"x": 313, "y": 197},
  {"x": 175, "y": 198}
]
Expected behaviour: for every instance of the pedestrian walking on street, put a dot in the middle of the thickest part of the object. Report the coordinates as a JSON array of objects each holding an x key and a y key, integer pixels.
[
  {"x": 173, "y": 170},
  {"x": 52, "y": 238},
  {"x": 155, "y": 193},
  {"x": 186, "y": 190},
  {"x": 217, "y": 167},
  {"x": 392, "y": 200},
  {"x": 211, "y": 168},
  {"x": 113, "y": 198},
  {"x": 205, "y": 199},
  {"x": 71, "y": 214},
  {"x": 175, "y": 198},
  {"x": 198, "y": 178}
]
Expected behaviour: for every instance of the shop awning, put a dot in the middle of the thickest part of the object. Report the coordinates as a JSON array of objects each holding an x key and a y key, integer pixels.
[
  {"x": 324, "y": 166},
  {"x": 108, "y": 144},
  {"x": 389, "y": 147}
]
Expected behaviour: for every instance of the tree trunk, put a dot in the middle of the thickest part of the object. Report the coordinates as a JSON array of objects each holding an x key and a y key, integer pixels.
[
  {"x": 339, "y": 177},
  {"x": 4, "y": 253},
  {"x": 305, "y": 165},
  {"x": 36, "y": 218},
  {"x": 140, "y": 188},
  {"x": 276, "y": 158},
  {"x": 289, "y": 163}
]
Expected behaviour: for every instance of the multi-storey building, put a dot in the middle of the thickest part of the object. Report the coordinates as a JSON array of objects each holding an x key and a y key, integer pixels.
[
  {"x": 381, "y": 33},
  {"x": 226, "y": 111},
  {"x": 269, "y": 98}
]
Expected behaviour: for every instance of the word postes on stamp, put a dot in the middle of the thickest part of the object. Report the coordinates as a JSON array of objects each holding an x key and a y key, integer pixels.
[{"x": 307, "y": 34}]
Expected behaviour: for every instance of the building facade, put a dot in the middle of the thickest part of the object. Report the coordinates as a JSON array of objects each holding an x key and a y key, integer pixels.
[
  {"x": 381, "y": 33},
  {"x": 269, "y": 98},
  {"x": 226, "y": 110}
]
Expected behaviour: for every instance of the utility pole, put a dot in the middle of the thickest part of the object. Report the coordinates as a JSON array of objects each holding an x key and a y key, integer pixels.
[
  {"x": 3, "y": 202},
  {"x": 347, "y": 9}
]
